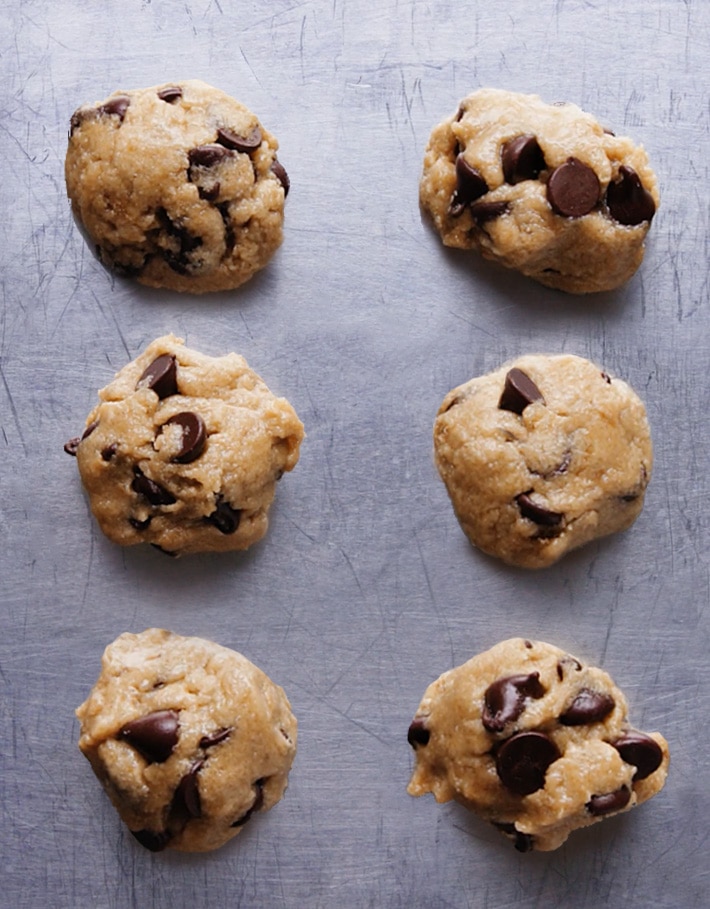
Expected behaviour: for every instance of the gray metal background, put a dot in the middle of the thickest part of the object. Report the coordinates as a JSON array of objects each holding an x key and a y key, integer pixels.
[{"x": 365, "y": 589}]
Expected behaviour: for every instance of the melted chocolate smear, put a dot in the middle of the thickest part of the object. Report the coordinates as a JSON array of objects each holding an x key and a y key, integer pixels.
[
  {"x": 629, "y": 201},
  {"x": 522, "y": 761},
  {"x": 505, "y": 699},
  {"x": 417, "y": 734},
  {"x": 573, "y": 189},
  {"x": 641, "y": 751},
  {"x": 161, "y": 376},
  {"x": 522, "y": 159},
  {"x": 194, "y": 436},
  {"x": 589, "y": 706},
  {"x": 154, "y": 736},
  {"x": 519, "y": 391}
]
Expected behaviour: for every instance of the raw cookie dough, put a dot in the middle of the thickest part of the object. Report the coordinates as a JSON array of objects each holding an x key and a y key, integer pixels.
[
  {"x": 188, "y": 738},
  {"x": 540, "y": 188},
  {"x": 533, "y": 741},
  {"x": 184, "y": 451},
  {"x": 541, "y": 456},
  {"x": 177, "y": 185}
]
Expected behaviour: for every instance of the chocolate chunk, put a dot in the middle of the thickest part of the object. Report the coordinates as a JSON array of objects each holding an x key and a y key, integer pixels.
[
  {"x": 418, "y": 734},
  {"x": 573, "y": 189},
  {"x": 609, "y": 802},
  {"x": 279, "y": 171},
  {"x": 156, "y": 494},
  {"x": 161, "y": 376},
  {"x": 231, "y": 139},
  {"x": 483, "y": 212},
  {"x": 72, "y": 446},
  {"x": 537, "y": 513},
  {"x": 171, "y": 94},
  {"x": 186, "y": 799},
  {"x": 140, "y": 525},
  {"x": 641, "y": 751},
  {"x": 194, "y": 435},
  {"x": 208, "y": 155},
  {"x": 522, "y": 761},
  {"x": 156, "y": 842},
  {"x": 588, "y": 706},
  {"x": 225, "y": 518},
  {"x": 628, "y": 199},
  {"x": 470, "y": 185},
  {"x": 215, "y": 738},
  {"x": 116, "y": 106},
  {"x": 522, "y": 159},
  {"x": 505, "y": 699},
  {"x": 519, "y": 390},
  {"x": 108, "y": 452},
  {"x": 154, "y": 736},
  {"x": 256, "y": 804}
]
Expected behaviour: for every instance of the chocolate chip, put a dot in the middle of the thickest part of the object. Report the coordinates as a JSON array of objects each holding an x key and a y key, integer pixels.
[
  {"x": 599, "y": 805},
  {"x": 256, "y": 804},
  {"x": 470, "y": 185},
  {"x": 215, "y": 738},
  {"x": 588, "y": 706},
  {"x": 178, "y": 255},
  {"x": 522, "y": 159},
  {"x": 208, "y": 155},
  {"x": 161, "y": 376},
  {"x": 140, "y": 525},
  {"x": 418, "y": 734},
  {"x": 225, "y": 518},
  {"x": 231, "y": 139},
  {"x": 573, "y": 189},
  {"x": 72, "y": 446},
  {"x": 108, "y": 452},
  {"x": 483, "y": 212},
  {"x": 210, "y": 193},
  {"x": 628, "y": 199},
  {"x": 522, "y": 761},
  {"x": 279, "y": 171},
  {"x": 156, "y": 494},
  {"x": 606, "y": 377},
  {"x": 194, "y": 435},
  {"x": 171, "y": 94},
  {"x": 505, "y": 699},
  {"x": 519, "y": 390},
  {"x": 523, "y": 842},
  {"x": 567, "y": 661},
  {"x": 186, "y": 799},
  {"x": 537, "y": 513},
  {"x": 156, "y": 842},
  {"x": 116, "y": 106},
  {"x": 154, "y": 736},
  {"x": 641, "y": 751}
]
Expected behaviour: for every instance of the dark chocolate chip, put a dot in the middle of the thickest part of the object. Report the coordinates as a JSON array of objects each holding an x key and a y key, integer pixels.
[
  {"x": 573, "y": 189},
  {"x": 161, "y": 376},
  {"x": 519, "y": 390},
  {"x": 194, "y": 435},
  {"x": 178, "y": 255},
  {"x": 567, "y": 661},
  {"x": 522, "y": 761},
  {"x": 588, "y": 706},
  {"x": 537, "y": 513},
  {"x": 186, "y": 799},
  {"x": 279, "y": 171},
  {"x": 156, "y": 842},
  {"x": 483, "y": 212},
  {"x": 641, "y": 751},
  {"x": 599, "y": 805},
  {"x": 210, "y": 193},
  {"x": 504, "y": 700},
  {"x": 231, "y": 139},
  {"x": 215, "y": 738},
  {"x": 171, "y": 94},
  {"x": 72, "y": 446},
  {"x": 225, "y": 518},
  {"x": 418, "y": 734},
  {"x": 140, "y": 525},
  {"x": 606, "y": 377},
  {"x": 208, "y": 155},
  {"x": 256, "y": 804},
  {"x": 628, "y": 199},
  {"x": 154, "y": 736},
  {"x": 108, "y": 452},
  {"x": 116, "y": 106},
  {"x": 523, "y": 842},
  {"x": 470, "y": 185},
  {"x": 522, "y": 159},
  {"x": 156, "y": 494}
]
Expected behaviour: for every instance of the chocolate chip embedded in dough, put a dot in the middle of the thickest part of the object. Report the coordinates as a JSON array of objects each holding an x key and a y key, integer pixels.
[
  {"x": 629, "y": 201},
  {"x": 161, "y": 376},
  {"x": 72, "y": 446},
  {"x": 588, "y": 706},
  {"x": 523, "y": 842},
  {"x": 116, "y": 106},
  {"x": 522, "y": 761},
  {"x": 599, "y": 805},
  {"x": 256, "y": 804},
  {"x": 279, "y": 171},
  {"x": 225, "y": 518},
  {"x": 641, "y": 751},
  {"x": 152, "y": 491},
  {"x": 186, "y": 799},
  {"x": 151, "y": 840},
  {"x": 108, "y": 452},
  {"x": 573, "y": 189},
  {"x": 470, "y": 185},
  {"x": 154, "y": 736},
  {"x": 522, "y": 159},
  {"x": 215, "y": 738},
  {"x": 567, "y": 661},
  {"x": 208, "y": 155},
  {"x": 194, "y": 436},
  {"x": 537, "y": 513},
  {"x": 231, "y": 139},
  {"x": 483, "y": 212},
  {"x": 417, "y": 734},
  {"x": 140, "y": 525},
  {"x": 518, "y": 392},
  {"x": 504, "y": 700},
  {"x": 171, "y": 94}
]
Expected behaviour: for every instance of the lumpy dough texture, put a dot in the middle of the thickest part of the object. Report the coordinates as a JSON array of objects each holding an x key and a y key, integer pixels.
[
  {"x": 184, "y": 451},
  {"x": 543, "y": 189},
  {"x": 533, "y": 741},
  {"x": 177, "y": 185},
  {"x": 542, "y": 456},
  {"x": 188, "y": 738}
]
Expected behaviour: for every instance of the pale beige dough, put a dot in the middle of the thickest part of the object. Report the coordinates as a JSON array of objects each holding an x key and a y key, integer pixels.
[
  {"x": 212, "y": 740},
  {"x": 177, "y": 185},
  {"x": 144, "y": 487},
  {"x": 593, "y": 252},
  {"x": 598, "y": 767},
  {"x": 570, "y": 467}
]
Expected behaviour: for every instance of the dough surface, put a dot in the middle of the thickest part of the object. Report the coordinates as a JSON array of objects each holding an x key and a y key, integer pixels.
[
  {"x": 540, "y": 188},
  {"x": 184, "y": 451},
  {"x": 177, "y": 185},
  {"x": 542, "y": 456},
  {"x": 533, "y": 741},
  {"x": 188, "y": 738}
]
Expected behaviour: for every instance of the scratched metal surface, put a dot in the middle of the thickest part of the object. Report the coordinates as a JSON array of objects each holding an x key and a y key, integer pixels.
[{"x": 365, "y": 590}]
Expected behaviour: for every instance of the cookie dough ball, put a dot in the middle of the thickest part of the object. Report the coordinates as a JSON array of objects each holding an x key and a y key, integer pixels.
[
  {"x": 540, "y": 188},
  {"x": 177, "y": 185},
  {"x": 184, "y": 451},
  {"x": 188, "y": 738},
  {"x": 541, "y": 456},
  {"x": 535, "y": 742}
]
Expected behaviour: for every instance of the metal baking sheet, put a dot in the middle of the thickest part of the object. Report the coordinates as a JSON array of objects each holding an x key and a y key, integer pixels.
[{"x": 365, "y": 589}]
